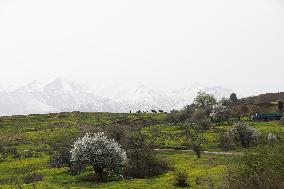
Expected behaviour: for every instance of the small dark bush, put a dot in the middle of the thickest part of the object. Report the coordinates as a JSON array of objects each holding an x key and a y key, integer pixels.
[
  {"x": 142, "y": 159},
  {"x": 76, "y": 168},
  {"x": 181, "y": 179},
  {"x": 60, "y": 158},
  {"x": 197, "y": 150},
  {"x": 147, "y": 169},
  {"x": 32, "y": 178}
]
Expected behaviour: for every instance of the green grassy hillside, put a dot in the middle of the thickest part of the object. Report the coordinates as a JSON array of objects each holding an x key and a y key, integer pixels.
[{"x": 32, "y": 136}]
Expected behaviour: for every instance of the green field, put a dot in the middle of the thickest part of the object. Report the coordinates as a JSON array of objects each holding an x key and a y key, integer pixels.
[{"x": 35, "y": 134}]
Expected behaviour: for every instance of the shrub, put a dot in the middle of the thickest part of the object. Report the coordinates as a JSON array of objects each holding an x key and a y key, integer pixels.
[
  {"x": 201, "y": 118},
  {"x": 76, "y": 168},
  {"x": 259, "y": 168},
  {"x": 225, "y": 141},
  {"x": 103, "y": 154},
  {"x": 181, "y": 179},
  {"x": 244, "y": 134},
  {"x": 197, "y": 150},
  {"x": 143, "y": 161},
  {"x": 61, "y": 157},
  {"x": 32, "y": 178}
]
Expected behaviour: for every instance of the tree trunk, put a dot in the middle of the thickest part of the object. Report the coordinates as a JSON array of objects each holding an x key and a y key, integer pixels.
[{"x": 99, "y": 172}]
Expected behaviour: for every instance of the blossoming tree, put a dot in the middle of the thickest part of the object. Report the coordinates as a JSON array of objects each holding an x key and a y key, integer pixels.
[
  {"x": 103, "y": 154},
  {"x": 244, "y": 134}
]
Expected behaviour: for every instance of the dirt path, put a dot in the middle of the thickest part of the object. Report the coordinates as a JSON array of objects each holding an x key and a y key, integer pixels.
[{"x": 206, "y": 152}]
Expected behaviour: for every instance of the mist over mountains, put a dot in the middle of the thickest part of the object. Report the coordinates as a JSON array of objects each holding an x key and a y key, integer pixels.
[{"x": 60, "y": 95}]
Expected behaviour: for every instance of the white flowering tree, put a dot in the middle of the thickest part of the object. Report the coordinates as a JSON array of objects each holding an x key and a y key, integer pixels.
[
  {"x": 219, "y": 113},
  {"x": 244, "y": 134},
  {"x": 103, "y": 154},
  {"x": 204, "y": 100}
]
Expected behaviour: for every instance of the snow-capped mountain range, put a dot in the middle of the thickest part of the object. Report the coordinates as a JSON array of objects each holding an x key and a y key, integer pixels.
[{"x": 60, "y": 95}]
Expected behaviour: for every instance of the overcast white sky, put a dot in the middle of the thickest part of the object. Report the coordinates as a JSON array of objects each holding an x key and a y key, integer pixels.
[{"x": 238, "y": 44}]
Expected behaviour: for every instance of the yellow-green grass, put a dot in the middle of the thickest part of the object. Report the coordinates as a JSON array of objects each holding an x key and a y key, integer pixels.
[
  {"x": 35, "y": 133},
  {"x": 170, "y": 136},
  {"x": 208, "y": 167}
]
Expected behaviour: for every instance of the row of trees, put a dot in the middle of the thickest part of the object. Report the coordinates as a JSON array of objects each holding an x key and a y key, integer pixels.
[{"x": 205, "y": 108}]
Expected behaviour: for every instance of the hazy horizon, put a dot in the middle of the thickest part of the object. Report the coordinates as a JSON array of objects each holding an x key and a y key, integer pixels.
[{"x": 161, "y": 43}]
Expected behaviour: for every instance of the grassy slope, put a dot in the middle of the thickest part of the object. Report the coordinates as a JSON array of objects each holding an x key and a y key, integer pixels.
[
  {"x": 209, "y": 166},
  {"x": 37, "y": 132}
]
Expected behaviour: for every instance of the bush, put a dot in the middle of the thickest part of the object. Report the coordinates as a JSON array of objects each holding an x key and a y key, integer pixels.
[
  {"x": 197, "y": 150},
  {"x": 244, "y": 134},
  {"x": 143, "y": 161},
  {"x": 181, "y": 179},
  {"x": 32, "y": 178},
  {"x": 201, "y": 117},
  {"x": 61, "y": 158},
  {"x": 103, "y": 154},
  {"x": 225, "y": 141},
  {"x": 259, "y": 168},
  {"x": 76, "y": 168}
]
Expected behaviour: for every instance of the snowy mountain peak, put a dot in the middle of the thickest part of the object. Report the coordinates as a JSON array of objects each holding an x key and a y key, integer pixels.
[{"x": 64, "y": 95}]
